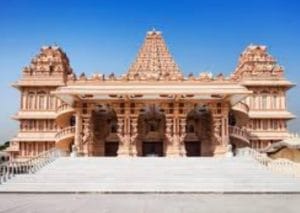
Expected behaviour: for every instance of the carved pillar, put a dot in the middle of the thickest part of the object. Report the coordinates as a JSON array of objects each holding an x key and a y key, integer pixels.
[
  {"x": 173, "y": 137},
  {"x": 124, "y": 136},
  {"x": 169, "y": 136},
  {"x": 220, "y": 130},
  {"x": 78, "y": 128},
  {"x": 133, "y": 136},
  {"x": 182, "y": 136},
  {"x": 86, "y": 146}
]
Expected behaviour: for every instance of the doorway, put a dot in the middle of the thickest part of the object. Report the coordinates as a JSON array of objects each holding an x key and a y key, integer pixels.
[
  {"x": 153, "y": 149},
  {"x": 111, "y": 149},
  {"x": 193, "y": 148}
]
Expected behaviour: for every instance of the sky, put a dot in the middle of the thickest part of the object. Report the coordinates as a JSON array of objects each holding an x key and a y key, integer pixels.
[{"x": 104, "y": 37}]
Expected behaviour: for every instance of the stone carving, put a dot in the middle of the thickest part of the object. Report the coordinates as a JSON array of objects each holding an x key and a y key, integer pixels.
[
  {"x": 217, "y": 131},
  {"x": 256, "y": 62},
  {"x": 50, "y": 61},
  {"x": 154, "y": 62},
  {"x": 86, "y": 134}
]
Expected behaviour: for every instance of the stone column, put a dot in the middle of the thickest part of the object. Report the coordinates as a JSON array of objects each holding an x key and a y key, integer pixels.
[
  {"x": 86, "y": 143},
  {"x": 182, "y": 136},
  {"x": 78, "y": 128},
  {"x": 173, "y": 137},
  {"x": 124, "y": 137},
  {"x": 133, "y": 136},
  {"x": 78, "y": 132},
  {"x": 220, "y": 130}
]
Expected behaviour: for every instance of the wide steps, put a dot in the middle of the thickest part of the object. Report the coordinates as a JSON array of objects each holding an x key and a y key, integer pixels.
[{"x": 153, "y": 175}]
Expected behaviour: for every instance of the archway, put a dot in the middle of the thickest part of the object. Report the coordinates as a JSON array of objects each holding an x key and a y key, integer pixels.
[
  {"x": 105, "y": 140},
  {"x": 198, "y": 132},
  {"x": 151, "y": 129}
]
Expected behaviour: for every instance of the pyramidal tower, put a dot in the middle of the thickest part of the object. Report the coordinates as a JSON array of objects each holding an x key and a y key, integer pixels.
[{"x": 154, "y": 61}]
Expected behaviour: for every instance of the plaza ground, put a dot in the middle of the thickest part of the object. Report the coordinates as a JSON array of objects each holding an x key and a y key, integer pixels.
[{"x": 150, "y": 203}]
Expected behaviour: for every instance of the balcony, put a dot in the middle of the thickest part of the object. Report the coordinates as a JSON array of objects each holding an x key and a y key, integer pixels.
[
  {"x": 241, "y": 107},
  {"x": 239, "y": 134},
  {"x": 65, "y": 134},
  {"x": 241, "y": 113},
  {"x": 63, "y": 114}
]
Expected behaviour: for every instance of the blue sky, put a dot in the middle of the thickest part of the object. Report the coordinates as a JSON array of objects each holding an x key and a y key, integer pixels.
[{"x": 104, "y": 36}]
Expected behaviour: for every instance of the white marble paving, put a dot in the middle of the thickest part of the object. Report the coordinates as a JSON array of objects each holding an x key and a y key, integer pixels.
[{"x": 154, "y": 175}]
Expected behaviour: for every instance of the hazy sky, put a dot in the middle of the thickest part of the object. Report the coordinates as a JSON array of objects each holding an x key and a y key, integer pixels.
[{"x": 104, "y": 36}]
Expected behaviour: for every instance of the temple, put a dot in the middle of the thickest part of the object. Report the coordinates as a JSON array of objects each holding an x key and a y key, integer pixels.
[{"x": 153, "y": 109}]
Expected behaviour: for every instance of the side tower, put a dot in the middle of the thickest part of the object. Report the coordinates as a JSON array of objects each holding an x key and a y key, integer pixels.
[
  {"x": 46, "y": 72},
  {"x": 268, "y": 115}
]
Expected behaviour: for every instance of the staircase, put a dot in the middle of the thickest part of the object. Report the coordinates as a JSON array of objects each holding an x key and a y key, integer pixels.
[{"x": 153, "y": 175}]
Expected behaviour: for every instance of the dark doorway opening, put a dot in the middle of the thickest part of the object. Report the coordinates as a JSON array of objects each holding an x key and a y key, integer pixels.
[
  {"x": 111, "y": 149},
  {"x": 193, "y": 148},
  {"x": 152, "y": 149}
]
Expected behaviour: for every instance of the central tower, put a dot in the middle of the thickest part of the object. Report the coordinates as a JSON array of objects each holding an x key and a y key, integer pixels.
[{"x": 154, "y": 62}]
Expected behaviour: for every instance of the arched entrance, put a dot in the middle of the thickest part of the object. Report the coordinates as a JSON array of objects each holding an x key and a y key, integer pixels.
[
  {"x": 151, "y": 128},
  {"x": 105, "y": 141},
  {"x": 198, "y": 132}
]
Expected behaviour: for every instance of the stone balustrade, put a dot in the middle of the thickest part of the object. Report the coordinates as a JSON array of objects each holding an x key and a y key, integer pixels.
[
  {"x": 65, "y": 133},
  {"x": 239, "y": 133},
  {"x": 241, "y": 107},
  {"x": 14, "y": 167},
  {"x": 64, "y": 108},
  {"x": 283, "y": 166}
]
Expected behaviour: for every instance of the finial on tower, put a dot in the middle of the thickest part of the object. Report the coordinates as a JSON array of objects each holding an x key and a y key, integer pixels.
[{"x": 153, "y": 31}]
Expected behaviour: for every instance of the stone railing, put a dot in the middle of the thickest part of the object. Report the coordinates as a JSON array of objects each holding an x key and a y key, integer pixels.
[
  {"x": 242, "y": 107},
  {"x": 11, "y": 168},
  {"x": 239, "y": 133},
  {"x": 64, "y": 108},
  {"x": 283, "y": 166},
  {"x": 13, "y": 147},
  {"x": 65, "y": 133}
]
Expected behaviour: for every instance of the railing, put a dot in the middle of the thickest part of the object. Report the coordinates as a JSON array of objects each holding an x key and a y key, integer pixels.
[
  {"x": 65, "y": 133},
  {"x": 283, "y": 166},
  {"x": 239, "y": 133},
  {"x": 11, "y": 168},
  {"x": 13, "y": 146},
  {"x": 63, "y": 108},
  {"x": 241, "y": 107}
]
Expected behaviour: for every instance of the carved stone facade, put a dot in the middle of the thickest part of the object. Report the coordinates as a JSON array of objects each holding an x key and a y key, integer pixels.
[{"x": 152, "y": 110}]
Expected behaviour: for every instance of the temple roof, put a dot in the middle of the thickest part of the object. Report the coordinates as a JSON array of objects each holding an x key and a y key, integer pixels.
[
  {"x": 154, "y": 62},
  {"x": 256, "y": 62}
]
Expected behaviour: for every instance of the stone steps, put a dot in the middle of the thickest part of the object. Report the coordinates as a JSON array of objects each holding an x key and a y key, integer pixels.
[{"x": 154, "y": 175}]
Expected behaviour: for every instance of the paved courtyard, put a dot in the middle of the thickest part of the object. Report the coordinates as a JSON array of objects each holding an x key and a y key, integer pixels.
[{"x": 149, "y": 203}]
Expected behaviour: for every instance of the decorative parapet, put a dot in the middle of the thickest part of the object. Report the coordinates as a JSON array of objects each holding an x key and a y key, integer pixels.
[
  {"x": 241, "y": 134},
  {"x": 204, "y": 77},
  {"x": 64, "y": 108},
  {"x": 241, "y": 107},
  {"x": 282, "y": 166},
  {"x": 65, "y": 133}
]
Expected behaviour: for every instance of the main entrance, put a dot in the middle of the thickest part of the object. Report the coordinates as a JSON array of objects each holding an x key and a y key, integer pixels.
[
  {"x": 193, "y": 148},
  {"x": 111, "y": 149},
  {"x": 153, "y": 149}
]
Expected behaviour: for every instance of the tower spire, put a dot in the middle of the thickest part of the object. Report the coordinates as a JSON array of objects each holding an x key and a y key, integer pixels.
[{"x": 154, "y": 62}]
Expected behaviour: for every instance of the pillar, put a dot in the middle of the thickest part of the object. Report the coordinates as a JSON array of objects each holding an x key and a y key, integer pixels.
[
  {"x": 133, "y": 136},
  {"x": 173, "y": 133},
  {"x": 124, "y": 137},
  {"x": 78, "y": 128}
]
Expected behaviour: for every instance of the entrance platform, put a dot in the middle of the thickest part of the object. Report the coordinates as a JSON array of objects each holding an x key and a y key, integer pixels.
[{"x": 152, "y": 175}]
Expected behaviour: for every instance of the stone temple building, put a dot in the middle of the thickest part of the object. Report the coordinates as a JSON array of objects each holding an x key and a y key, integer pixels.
[{"x": 152, "y": 109}]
